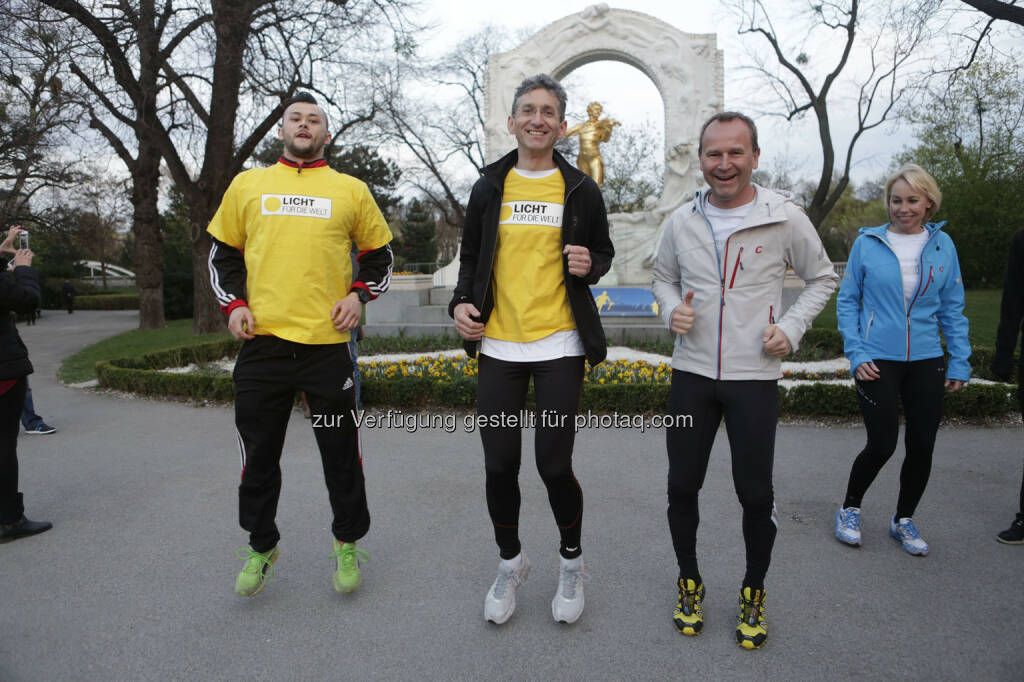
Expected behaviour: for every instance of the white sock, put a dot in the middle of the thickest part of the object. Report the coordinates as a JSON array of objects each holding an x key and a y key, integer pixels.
[
  {"x": 513, "y": 564},
  {"x": 571, "y": 564}
]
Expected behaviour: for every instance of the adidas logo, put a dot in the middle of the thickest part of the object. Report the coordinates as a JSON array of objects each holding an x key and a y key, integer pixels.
[{"x": 348, "y": 384}]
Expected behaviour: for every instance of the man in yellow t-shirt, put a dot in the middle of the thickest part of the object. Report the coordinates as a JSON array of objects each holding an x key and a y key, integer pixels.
[
  {"x": 535, "y": 238},
  {"x": 281, "y": 271}
]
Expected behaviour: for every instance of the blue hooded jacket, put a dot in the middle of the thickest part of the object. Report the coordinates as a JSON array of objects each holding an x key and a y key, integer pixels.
[{"x": 878, "y": 324}]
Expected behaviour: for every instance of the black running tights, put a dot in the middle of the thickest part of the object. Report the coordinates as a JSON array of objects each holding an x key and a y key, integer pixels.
[
  {"x": 919, "y": 385},
  {"x": 501, "y": 397},
  {"x": 751, "y": 411}
]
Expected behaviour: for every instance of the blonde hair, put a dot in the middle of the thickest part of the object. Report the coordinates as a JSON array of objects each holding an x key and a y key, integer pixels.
[{"x": 919, "y": 179}]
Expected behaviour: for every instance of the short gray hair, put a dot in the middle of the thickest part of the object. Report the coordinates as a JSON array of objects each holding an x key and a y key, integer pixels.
[
  {"x": 541, "y": 80},
  {"x": 725, "y": 117}
]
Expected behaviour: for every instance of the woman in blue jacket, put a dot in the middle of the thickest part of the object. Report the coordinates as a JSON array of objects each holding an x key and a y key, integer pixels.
[{"x": 902, "y": 285}]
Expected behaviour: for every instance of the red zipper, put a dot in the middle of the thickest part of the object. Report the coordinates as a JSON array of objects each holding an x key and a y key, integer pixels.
[
  {"x": 721, "y": 306},
  {"x": 735, "y": 268}
]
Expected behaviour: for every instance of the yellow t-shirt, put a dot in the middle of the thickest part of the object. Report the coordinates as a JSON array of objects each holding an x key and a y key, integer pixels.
[
  {"x": 296, "y": 231},
  {"x": 529, "y": 287}
]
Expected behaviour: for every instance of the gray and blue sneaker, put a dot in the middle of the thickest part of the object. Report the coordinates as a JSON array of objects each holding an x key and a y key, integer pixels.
[
  {"x": 500, "y": 603},
  {"x": 905, "y": 531},
  {"x": 848, "y": 525}
]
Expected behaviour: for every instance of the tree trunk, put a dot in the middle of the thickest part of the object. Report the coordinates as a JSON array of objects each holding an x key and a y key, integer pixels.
[
  {"x": 232, "y": 22},
  {"x": 149, "y": 255}
]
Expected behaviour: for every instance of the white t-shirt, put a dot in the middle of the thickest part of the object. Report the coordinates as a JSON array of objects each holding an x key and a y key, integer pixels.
[
  {"x": 561, "y": 344},
  {"x": 908, "y": 248},
  {"x": 725, "y": 221}
]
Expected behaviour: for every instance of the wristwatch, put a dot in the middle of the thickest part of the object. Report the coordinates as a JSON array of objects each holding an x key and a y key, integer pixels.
[{"x": 363, "y": 294}]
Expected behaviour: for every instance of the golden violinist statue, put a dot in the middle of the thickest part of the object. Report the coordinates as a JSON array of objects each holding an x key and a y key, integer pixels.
[{"x": 592, "y": 133}]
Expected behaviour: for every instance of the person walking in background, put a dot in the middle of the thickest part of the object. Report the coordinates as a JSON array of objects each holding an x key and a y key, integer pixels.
[
  {"x": 1011, "y": 316},
  {"x": 67, "y": 292},
  {"x": 535, "y": 236},
  {"x": 19, "y": 292},
  {"x": 33, "y": 423},
  {"x": 901, "y": 278},
  {"x": 280, "y": 269}
]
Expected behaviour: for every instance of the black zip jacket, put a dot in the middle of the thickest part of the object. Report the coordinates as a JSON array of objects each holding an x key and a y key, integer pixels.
[
  {"x": 1011, "y": 315},
  {"x": 19, "y": 293},
  {"x": 584, "y": 223}
]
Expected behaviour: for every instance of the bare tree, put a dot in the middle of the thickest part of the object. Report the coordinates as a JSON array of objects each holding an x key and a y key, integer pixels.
[
  {"x": 890, "y": 35},
  {"x": 199, "y": 84},
  {"x": 447, "y": 139},
  {"x": 1007, "y": 11},
  {"x": 37, "y": 113}
]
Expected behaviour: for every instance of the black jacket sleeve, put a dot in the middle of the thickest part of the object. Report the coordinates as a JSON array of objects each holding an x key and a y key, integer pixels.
[
  {"x": 19, "y": 290},
  {"x": 600, "y": 244},
  {"x": 1012, "y": 310},
  {"x": 469, "y": 250},
  {"x": 375, "y": 271},
  {"x": 227, "y": 275}
]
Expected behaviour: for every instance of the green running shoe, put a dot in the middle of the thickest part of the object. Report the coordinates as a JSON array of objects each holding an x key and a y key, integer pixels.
[
  {"x": 348, "y": 578},
  {"x": 258, "y": 569}
]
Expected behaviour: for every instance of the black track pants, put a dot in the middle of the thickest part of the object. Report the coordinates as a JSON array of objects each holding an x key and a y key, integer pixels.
[
  {"x": 919, "y": 385},
  {"x": 268, "y": 373},
  {"x": 751, "y": 411},
  {"x": 501, "y": 390}
]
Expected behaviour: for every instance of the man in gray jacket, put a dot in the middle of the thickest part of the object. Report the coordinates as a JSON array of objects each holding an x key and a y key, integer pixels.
[{"x": 718, "y": 279}]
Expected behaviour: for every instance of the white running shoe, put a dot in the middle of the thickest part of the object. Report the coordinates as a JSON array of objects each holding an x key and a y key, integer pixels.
[
  {"x": 500, "y": 603},
  {"x": 567, "y": 606},
  {"x": 905, "y": 531}
]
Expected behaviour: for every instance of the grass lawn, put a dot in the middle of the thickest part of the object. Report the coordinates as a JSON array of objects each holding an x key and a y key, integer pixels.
[
  {"x": 79, "y": 367},
  {"x": 981, "y": 308}
]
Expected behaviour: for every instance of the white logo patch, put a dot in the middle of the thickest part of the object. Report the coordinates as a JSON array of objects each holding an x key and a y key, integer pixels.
[
  {"x": 295, "y": 205},
  {"x": 531, "y": 213}
]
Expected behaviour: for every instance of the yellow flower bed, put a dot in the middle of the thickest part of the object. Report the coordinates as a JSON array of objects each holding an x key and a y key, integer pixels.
[{"x": 444, "y": 369}]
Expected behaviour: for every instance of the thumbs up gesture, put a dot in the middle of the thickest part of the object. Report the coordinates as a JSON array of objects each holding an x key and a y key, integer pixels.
[{"x": 682, "y": 316}]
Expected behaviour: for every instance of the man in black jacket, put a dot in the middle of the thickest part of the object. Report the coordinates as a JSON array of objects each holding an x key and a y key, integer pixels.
[
  {"x": 19, "y": 293},
  {"x": 535, "y": 237},
  {"x": 1011, "y": 318}
]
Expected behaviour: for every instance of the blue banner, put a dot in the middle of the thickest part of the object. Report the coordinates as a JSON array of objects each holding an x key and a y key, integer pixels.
[{"x": 625, "y": 301}]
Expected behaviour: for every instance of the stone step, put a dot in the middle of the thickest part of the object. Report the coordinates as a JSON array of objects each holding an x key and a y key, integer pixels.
[
  {"x": 431, "y": 314},
  {"x": 441, "y": 296}
]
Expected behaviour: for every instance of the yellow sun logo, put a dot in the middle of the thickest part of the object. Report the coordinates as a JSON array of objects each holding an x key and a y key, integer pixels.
[{"x": 272, "y": 204}]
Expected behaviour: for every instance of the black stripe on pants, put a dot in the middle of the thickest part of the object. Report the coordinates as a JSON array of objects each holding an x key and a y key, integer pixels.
[
  {"x": 267, "y": 374},
  {"x": 501, "y": 391},
  {"x": 920, "y": 386},
  {"x": 11, "y": 402},
  {"x": 751, "y": 414}
]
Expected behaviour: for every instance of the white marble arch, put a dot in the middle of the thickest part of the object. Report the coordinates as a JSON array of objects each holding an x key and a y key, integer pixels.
[{"x": 686, "y": 68}]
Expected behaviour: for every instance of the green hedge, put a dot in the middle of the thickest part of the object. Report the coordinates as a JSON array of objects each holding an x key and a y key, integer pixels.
[
  {"x": 165, "y": 384},
  {"x": 107, "y": 302},
  {"x": 974, "y": 403}
]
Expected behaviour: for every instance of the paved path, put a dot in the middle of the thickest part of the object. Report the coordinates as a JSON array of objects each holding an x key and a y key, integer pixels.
[{"x": 135, "y": 581}]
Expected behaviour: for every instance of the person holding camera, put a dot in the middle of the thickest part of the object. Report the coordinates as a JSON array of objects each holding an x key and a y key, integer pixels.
[{"x": 19, "y": 293}]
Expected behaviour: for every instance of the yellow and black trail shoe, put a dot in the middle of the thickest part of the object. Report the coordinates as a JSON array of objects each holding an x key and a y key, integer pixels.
[
  {"x": 751, "y": 623},
  {"x": 688, "y": 616}
]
